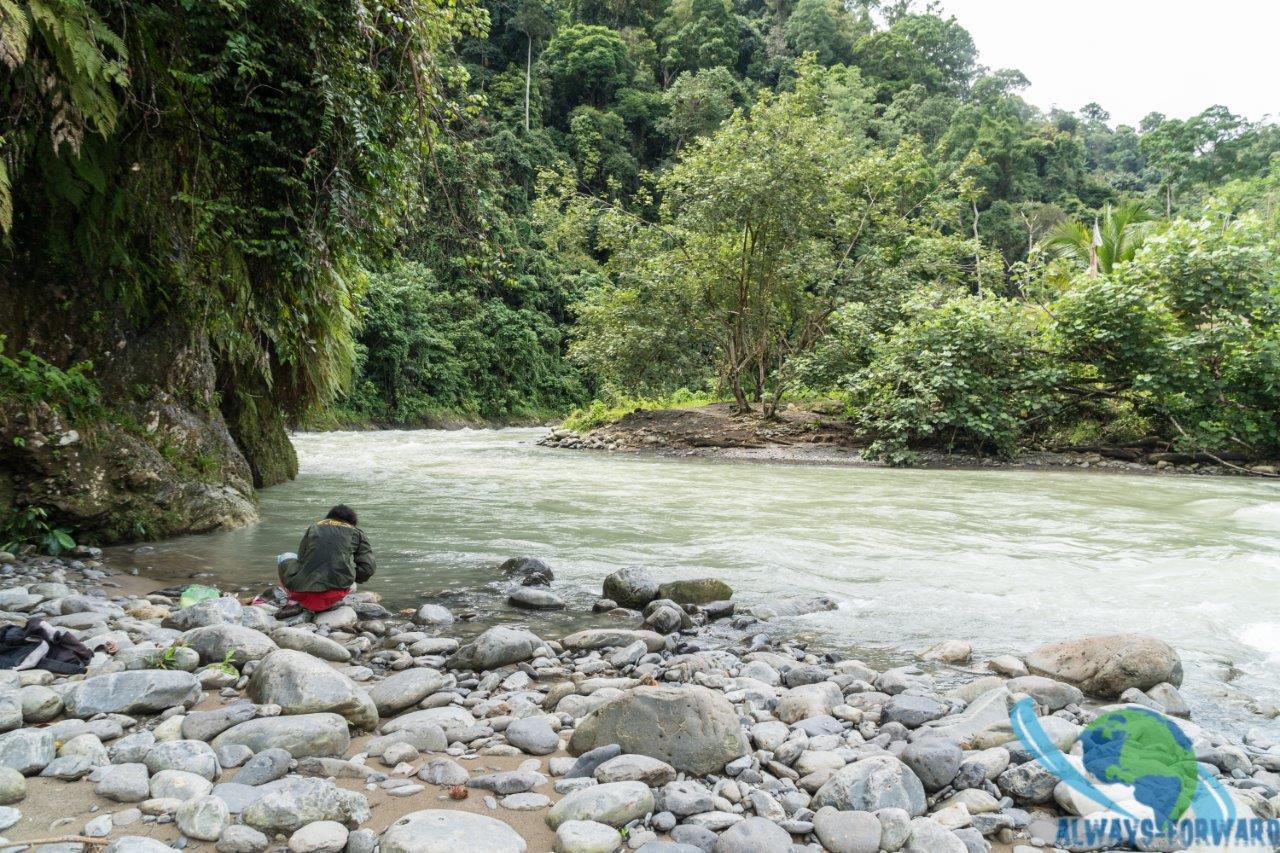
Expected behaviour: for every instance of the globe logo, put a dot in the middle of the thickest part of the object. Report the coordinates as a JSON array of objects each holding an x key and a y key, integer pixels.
[{"x": 1149, "y": 753}]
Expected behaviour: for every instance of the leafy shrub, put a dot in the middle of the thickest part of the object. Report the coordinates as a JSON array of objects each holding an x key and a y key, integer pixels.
[
  {"x": 29, "y": 525},
  {"x": 28, "y": 380},
  {"x": 617, "y": 406},
  {"x": 961, "y": 371}
]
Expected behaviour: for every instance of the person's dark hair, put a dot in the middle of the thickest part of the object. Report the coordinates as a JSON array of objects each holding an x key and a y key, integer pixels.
[{"x": 342, "y": 512}]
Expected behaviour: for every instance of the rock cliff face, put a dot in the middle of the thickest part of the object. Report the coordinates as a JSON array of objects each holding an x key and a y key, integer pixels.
[{"x": 157, "y": 458}]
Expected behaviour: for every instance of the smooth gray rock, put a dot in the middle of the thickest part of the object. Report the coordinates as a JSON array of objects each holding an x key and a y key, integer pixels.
[
  {"x": 310, "y": 642},
  {"x": 615, "y": 804},
  {"x": 636, "y": 768},
  {"x": 133, "y": 692},
  {"x": 293, "y": 802},
  {"x": 448, "y": 831},
  {"x": 202, "y": 818},
  {"x": 754, "y": 835},
  {"x": 131, "y": 749},
  {"x": 935, "y": 761},
  {"x": 533, "y": 735},
  {"x": 687, "y": 797},
  {"x": 26, "y": 750},
  {"x": 264, "y": 767},
  {"x": 301, "y": 735},
  {"x": 588, "y": 762},
  {"x": 586, "y": 836},
  {"x": 13, "y": 786},
  {"x": 847, "y": 832},
  {"x": 39, "y": 704},
  {"x": 323, "y": 836},
  {"x": 211, "y": 611},
  {"x": 206, "y": 725},
  {"x": 405, "y": 689},
  {"x": 433, "y": 616},
  {"x": 445, "y": 772},
  {"x": 535, "y": 598},
  {"x": 693, "y": 729},
  {"x": 609, "y": 638},
  {"x": 929, "y": 836},
  {"x": 179, "y": 785},
  {"x": 1054, "y": 695},
  {"x": 496, "y": 647},
  {"x": 125, "y": 783},
  {"x": 301, "y": 684},
  {"x": 913, "y": 711},
  {"x": 239, "y": 838},
  {"x": 215, "y": 642},
  {"x": 424, "y": 737},
  {"x": 873, "y": 783},
  {"x": 191, "y": 755},
  {"x": 1028, "y": 783},
  {"x": 137, "y": 844}
]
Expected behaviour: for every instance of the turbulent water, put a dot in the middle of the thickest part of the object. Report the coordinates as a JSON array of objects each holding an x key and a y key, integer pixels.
[{"x": 1003, "y": 559}]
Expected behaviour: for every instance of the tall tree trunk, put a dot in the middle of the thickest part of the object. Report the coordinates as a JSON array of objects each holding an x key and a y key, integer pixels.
[
  {"x": 977, "y": 249},
  {"x": 528, "y": 69}
]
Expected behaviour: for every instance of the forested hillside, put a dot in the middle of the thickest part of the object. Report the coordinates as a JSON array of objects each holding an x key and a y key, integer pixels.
[{"x": 222, "y": 219}]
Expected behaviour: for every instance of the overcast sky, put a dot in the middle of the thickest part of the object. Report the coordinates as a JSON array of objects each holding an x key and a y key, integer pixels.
[{"x": 1134, "y": 56}]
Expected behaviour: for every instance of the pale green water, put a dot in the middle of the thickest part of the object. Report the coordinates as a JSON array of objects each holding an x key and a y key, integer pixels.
[{"x": 1004, "y": 559}]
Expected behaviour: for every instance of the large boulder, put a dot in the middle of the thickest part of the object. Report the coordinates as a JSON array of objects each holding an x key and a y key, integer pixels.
[
  {"x": 301, "y": 736},
  {"x": 696, "y": 591},
  {"x": 631, "y": 587},
  {"x": 878, "y": 782},
  {"x": 216, "y": 643},
  {"x": 1107, "y": 665},
  {"x": 691, "y": 728},
  {"x": 447, "y": 831},
  {"x": 133, "y": 692},
  {"x": 496, "y": 647},
  {"x": 311, "y": 643},
  {"x": 301, "y": 684}
]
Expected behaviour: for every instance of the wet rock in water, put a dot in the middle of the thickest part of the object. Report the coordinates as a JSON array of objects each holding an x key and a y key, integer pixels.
[
  {"x": 788, "y": 607},
  {"x": 446, "y": 831},
  {"x": 948, "y": 651},
  {"x": 323, "y": 836},
  {"x": 125, "y": 783},
  {"x": 873, "y": 783},
  {"x": 133, "y": 692},
  {"x": 1107, "y": 665},
  {"x": 691, "y": 728},
  {"x": 294, "y": 802},
  {"x": 215, "y": 642},
  {"x": 535, "y": 598},
  {"x": 301, "y": 684},
  {"x": 696, "y": 591},
  {"x": 311, "y": 643},
  {"x": 301, "y": 735},
  {"x": 615, "y": 804},
  {"x": 586, "y": 836},
  {"x": 754, "y": 835},
  {"x": 533, "y": 735},
  {"x": 404, "y": 689},
  {"x": 496, "y": 647},
  {"x": 433, "y": 616},
  {"x": 609, "y": 638},
  {"x": 665, "y": 616},
  {"x": 27, "y": 751},
  {"x": 847, "y": 832},
  {"x": 202, "y": 818},
  {"x": 527, "y": 567},
  {"x": 631, "y": 587}
]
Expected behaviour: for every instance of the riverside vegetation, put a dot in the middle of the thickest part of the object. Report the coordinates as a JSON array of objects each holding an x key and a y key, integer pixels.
[
  {"x": 222, "y": 222},
  {"x": 684, "y": 725}
]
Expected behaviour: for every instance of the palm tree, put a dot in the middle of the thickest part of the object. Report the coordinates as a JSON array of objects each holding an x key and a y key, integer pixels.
[{"x": 1112, "y": 240}]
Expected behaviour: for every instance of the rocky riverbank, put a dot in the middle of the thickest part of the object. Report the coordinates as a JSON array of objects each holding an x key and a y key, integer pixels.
[
  {"x": 802, "y": 436},
  {"x": 680, "y": 725}
]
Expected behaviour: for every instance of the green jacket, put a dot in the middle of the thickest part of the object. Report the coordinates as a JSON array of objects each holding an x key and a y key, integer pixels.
[{"x": 332, "y": 555}]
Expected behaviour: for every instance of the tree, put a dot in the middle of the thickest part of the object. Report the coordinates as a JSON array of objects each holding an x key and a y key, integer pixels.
[
  {"x": 1119, "y": 234},
  {"x": 537, "y": 21},
  {"x": 823, "y": 28},
  {"x": 697, "y": 103},
  {"x": 586, "y": 64},
  {"x": 697, "y": 34}
]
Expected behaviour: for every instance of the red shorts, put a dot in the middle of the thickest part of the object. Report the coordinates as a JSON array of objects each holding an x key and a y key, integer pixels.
[{"x": 318, "y": 601}]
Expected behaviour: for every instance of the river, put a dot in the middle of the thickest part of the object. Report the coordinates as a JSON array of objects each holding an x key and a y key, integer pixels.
[{"x": 1003, "y": 559}]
